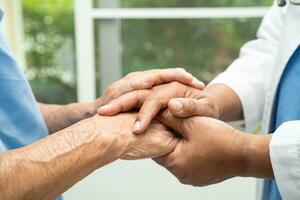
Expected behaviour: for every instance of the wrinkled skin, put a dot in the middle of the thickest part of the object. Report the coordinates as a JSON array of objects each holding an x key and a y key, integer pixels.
[
  {"x": 156, "y": 141},
  {"x": 151, "y": 101},
  {"x": 46, "y": 168},
  {"x": 209, "y": 151}
]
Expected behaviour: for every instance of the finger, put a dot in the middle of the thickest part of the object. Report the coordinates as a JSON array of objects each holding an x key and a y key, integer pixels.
[
  {"x": 150, "y": 78},
  {"x": 148, "y": 111},
  {"x": 176, "y": 74},
  {"x": 124, "y": 103},
  {"x": 188, "y": 107},
  {"x": 176, "y": 124},
  {"x": 156, "y": 101}
]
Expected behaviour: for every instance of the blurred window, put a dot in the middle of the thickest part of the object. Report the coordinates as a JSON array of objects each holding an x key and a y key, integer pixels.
[
  {"x": 49, "y": 45},
  {"x": 204, "y": 46}
]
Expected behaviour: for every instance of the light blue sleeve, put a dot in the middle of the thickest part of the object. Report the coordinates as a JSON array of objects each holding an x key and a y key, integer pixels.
[{"x": 21, "y": 122}]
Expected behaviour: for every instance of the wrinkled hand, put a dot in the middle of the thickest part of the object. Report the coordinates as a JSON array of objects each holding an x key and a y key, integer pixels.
[
  {"x": 156, "y": 141},
  {"x": 145, "y": 80},
  {"x": 209, "y": 151},
  {"x": 181, "y": 100}
]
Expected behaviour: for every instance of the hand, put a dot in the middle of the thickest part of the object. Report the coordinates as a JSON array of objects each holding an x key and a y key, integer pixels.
[
  {"x": 145, "y": 80},
  {"x": 181, "y": 100},
  {"x": 157, "y": 140},
  {"x": 210, "y": 151},
  {"x": 51, "y": 165}
]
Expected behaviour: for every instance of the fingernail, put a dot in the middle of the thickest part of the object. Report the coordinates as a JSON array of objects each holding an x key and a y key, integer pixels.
[
  {"x": 176, "y": 105},
  {"x": 137, "y": 126}
]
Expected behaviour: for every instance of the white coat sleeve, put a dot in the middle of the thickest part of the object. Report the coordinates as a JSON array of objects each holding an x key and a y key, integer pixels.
[
  {"x": 285, "y": 158},
  {"x": 250, "y": 74}
]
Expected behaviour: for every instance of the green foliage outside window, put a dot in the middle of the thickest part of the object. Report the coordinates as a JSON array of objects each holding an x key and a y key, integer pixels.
[
  {"x": 205, "y": 46},
  {"x": 49, "y": 39}
]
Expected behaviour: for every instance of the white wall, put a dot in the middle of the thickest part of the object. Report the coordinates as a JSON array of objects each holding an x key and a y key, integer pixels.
[{"x": 136, "y": 180}]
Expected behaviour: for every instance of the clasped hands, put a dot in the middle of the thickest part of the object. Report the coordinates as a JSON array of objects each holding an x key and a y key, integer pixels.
[{"x": 177, "y": 125}]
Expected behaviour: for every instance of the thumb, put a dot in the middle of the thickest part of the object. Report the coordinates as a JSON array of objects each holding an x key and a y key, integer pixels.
[
  {"x": 177, "y": 124},
  {"x": 188, "y": 107}
]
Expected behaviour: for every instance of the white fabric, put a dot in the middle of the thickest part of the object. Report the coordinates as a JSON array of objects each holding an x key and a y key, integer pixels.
[
  {"x": 254, "y": 77},
  {"x": 249, "y": 75},
  {"x": 285, "y": 157}
]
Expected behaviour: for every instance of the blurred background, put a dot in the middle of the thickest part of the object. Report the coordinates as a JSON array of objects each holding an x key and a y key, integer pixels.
[{"x": 71, "y": 50}]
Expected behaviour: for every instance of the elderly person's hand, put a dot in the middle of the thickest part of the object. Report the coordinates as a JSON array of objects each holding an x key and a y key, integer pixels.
[
  {"x": 58, "y": 117},
  {"x": 156, "y": 141},
  {"x": 146, "y": 80},
  {"x": 211, "y": 151},
  {"x": 180, "y": 99},
  {"x": 48, "y": 167}
]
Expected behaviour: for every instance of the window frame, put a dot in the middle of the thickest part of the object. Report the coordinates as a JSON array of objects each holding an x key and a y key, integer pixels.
[{"x": 110, "y": 35}]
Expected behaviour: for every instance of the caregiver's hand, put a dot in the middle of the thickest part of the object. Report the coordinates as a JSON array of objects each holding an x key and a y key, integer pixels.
[
  {"x": 211, "y": 151},
  {"x": 181, "y": 100},
  {"x": 145, "y": 80}
]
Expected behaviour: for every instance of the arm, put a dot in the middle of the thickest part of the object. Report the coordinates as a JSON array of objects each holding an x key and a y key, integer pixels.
[
  {"x": 249, "y": 76},
  {"x": 58, "y": 117},
  {"x": 50, "y": 166}
]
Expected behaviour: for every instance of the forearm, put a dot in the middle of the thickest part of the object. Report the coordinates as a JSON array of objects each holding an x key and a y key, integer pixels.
[
  {"x": 228, "y": 104},
  {"x": 50, "y": 166},
  {"x": 58, "y": 117}
]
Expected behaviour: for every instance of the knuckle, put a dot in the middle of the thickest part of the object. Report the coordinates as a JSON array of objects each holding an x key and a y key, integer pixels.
[
  {"x": 131, "y": 74},
  {"x": 111, "y": 88},
  {"x": 180, "y": 69},
  {"x": 138, "y": 95},
  {"x": 148, "y": 81},
  {"x": 208, "y": 107},
  {"x": 133, "y": 83},
  {"x": 158, "y": 138},
  {"x": 154, "y": 101}
]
